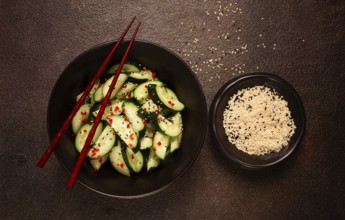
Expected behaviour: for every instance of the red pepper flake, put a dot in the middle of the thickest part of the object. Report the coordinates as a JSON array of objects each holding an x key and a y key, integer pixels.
[
  {"x": 158, "y": 119},
  {"x": 84, "y": 120},
  {"x": 117, "y": 108},
  {"x": 100, "y": 159},
  {"x": 110, "y": 121},
  {"x": 129, "y": 95},
  {"x": 153, "y": 94},
  {"x": 99, "y": 84},
  {"x": 126, "y": 119},
  {"x": 124, "y": 86},
  {"x": 154, "y": 75},
  {"x": 144, "y": 109},
  {"x": 111, "y": 113},
  {"x": 159, "y": 143},
  {"x": 123, "y": 111},
  {"x": 85, "y": 130},
  {"x": 144, "y": 122},
  {"x": 121, "y": 165},
  {"x": 146, "y": 86},
  {"x": 154, "y": 149},
  {"x": 94, "y": 151},
  {"x": 171, "y": 103},
  {"x": 156, "y": 112},
  {"x": 132, "y": 157},
  {"x": 83, "y": 112},
  {"x": 131, "y": 136},
  {"x": 131, "y": 146},
  {"x": 109, "y": 103}
]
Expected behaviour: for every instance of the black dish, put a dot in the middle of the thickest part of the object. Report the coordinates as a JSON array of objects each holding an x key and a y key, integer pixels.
[
  {"x": 171, "y": 70},
  {"x": 220, "y": 102}
]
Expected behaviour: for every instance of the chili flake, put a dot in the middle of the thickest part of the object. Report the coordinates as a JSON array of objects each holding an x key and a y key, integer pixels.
[
  {"x": 84, "y": 120},
  {"x": 110, "y": 121},
  {"x": 117, "y": 108},
  {"x": 171, "y": 103},
  {"x": 128, "y": 126},
  {"x": 153, "y": 75},
  {"x": 83, "y": 112}
]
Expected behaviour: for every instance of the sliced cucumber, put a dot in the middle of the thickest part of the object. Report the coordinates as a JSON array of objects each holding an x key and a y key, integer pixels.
[
  {"x": 126, "y": 89},
  {"x": 130, "y": 110},
  {"x": 150, "y": 107},
  {"x": 124, "y": 130},
  {"x": 82, "y": 134},
  {"x": 141, "y": 93},
  {"x": 114, "y": 107},
  {"x": 152, "y": 161},
  {"x": 146, "y": 141},
  {"x": 103, "y": 144},
  {"x": 127, "y": 68},
  {"x": 80, "y": 117},
  {"x": 120, "y": 81},
  {"x": 98, "y": 96},
  {"x": 165, "y": 97},
  {"x": 172, "y": 127},
  {"x": 175, "y": 143},
  {"x": 116, "y": 159},
  {"x": 140, "y": 76},
  {"x": 161, "y": 144},
  {"x": 98, "y": 162},
  {"x": 135, "y": 160}
]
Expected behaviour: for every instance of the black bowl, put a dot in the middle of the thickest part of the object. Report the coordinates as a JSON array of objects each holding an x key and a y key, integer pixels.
[
  {"x": 171, "y": 70},
  {"x": 220, "y": 102}
]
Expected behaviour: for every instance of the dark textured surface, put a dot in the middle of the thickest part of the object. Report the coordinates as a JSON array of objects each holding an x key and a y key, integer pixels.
[{"x": 301, "y": 41}]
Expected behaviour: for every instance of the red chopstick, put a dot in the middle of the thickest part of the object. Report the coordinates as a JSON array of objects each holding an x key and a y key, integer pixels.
[
  {"x": 68, "y": 120},
  {"x": 88, "y": 141}
]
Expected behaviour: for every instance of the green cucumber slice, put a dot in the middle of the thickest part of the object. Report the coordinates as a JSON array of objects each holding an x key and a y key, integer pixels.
[
  {"x": 124, "y": 130},
  {"x": 161, "y": 144},
  {"x": 103, "y": 144},
  {"x": 80, "y": 117},
  {"x": 117, "y": 161}
]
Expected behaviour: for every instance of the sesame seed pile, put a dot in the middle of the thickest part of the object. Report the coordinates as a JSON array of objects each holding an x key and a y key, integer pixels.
[{"x": 258, "y": 121}]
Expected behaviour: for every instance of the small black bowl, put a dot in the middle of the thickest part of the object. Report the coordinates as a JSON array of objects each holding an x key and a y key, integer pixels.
[
  {"x": 220, "y": 102},
  {"x": 170, "y": 69}
]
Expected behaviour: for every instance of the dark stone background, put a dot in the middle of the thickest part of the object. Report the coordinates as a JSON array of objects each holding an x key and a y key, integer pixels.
[{"x": 302, "y": 41}]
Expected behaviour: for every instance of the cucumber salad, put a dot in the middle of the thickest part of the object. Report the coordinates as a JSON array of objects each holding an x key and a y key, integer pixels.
[{"x": 141, "y": 125}]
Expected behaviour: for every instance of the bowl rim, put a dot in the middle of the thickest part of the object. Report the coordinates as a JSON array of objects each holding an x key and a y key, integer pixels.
[
  {"x": 215, "y": 104},
  {"x": 204, "y": 105}
]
